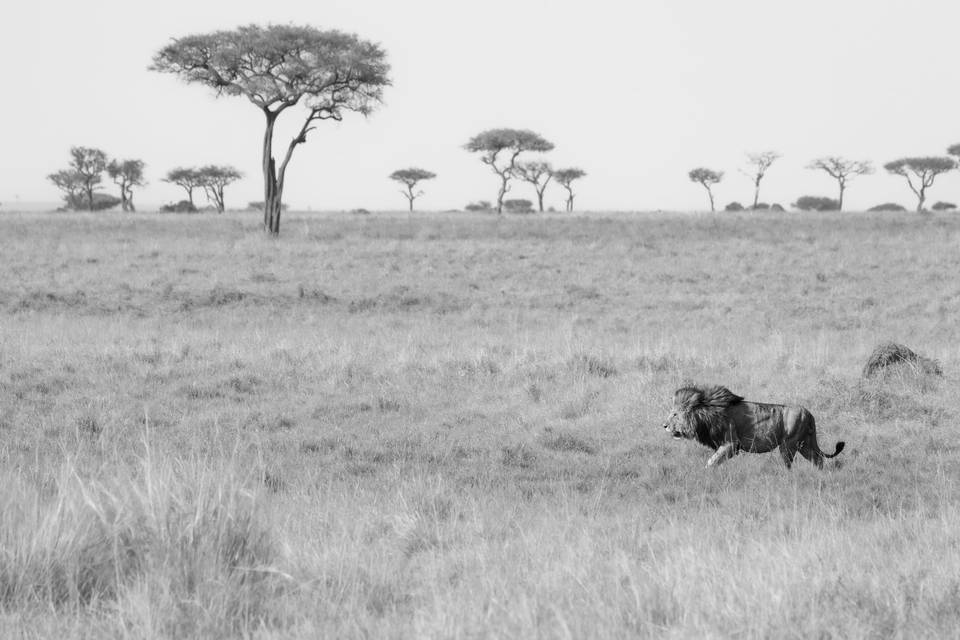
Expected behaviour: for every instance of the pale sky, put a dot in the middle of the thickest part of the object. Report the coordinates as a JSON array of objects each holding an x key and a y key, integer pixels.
[{"x": 636, "y": 93}]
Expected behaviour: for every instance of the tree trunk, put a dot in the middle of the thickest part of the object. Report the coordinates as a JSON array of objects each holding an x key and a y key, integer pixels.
[
  {"x": 272, "y": 192},
  {"x": 840, "y": 201},
  {"x": 503, "y": 191},
  {"x": 130, "y": 201},
  {"x": 756, "y": 195},
  {"x": 89, "y": 191},
  {"x": 710, "y": 193},
  {"x": 540, "y": 197},
  {"x": 921, "y": 198}
]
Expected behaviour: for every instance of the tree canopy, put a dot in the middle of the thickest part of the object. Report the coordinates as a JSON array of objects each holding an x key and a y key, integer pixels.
[
  {"x": 923, "y": 170},
  {"x": 510, "y": 142},
  {"x": 187, "y": 178},
  {"x": 277, "y": 67},
  {"x": 759, "y": 163}
]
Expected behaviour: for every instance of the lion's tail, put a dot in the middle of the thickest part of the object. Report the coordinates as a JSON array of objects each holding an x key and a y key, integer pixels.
[{"x": 836, "y": 452}]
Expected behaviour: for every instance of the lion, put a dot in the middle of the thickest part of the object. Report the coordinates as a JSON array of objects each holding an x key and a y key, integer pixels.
[{"x": 725, "y": 422}]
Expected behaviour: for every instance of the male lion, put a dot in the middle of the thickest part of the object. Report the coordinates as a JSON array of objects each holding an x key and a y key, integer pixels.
[{"x": 725, "y": 422}]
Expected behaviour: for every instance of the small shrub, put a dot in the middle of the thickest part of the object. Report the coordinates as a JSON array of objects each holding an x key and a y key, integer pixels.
[
  {"x": 943, "y": 206},
  {"x": 360, "y": 212},
  {"x": 518, "y": 205},
  {"x": 816, "y": 203},
  {"x": 482, "y": 205},
  {"x": 776, "y": 207},
  {"x": 733, "y": 206},
  {"x": 184, "y": 206},
  {"x": 761, "y": 206},
  {"x": 888, "y": 206}
]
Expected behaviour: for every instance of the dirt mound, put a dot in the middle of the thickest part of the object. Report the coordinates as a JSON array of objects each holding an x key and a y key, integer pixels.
[{"x": 891, "y": 354}]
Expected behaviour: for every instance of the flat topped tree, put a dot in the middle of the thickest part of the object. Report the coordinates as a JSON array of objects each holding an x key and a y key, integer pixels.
[
  {"x": 509, "y": 142},
  {"x": 277, "y": 67},
  {"x": 923, "y": 170},
  {"x": 565, "y": 178},
  {"x": 707, "y": 178},
  {"x": 841, "y": 170},
  {"x": 409, "y": 178}
]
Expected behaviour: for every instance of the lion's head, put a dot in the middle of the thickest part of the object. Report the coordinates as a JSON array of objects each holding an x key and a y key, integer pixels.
[{"x": 699, "y": 413}]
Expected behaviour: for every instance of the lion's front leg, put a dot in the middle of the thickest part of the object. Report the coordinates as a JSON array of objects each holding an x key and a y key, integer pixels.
[{"x": 727, "y": 450}]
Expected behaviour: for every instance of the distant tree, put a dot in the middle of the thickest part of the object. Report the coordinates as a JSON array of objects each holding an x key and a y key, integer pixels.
[
  {"x": 733, "y": 206},
  {"x": 565, "y": 178},
  {"x": 922, "y": 169},
  {"x": 841, "y": 170},
  {"x": 276, "y": 67},
  {"x": 758, "y": 164},
  {"x": 409, "y": 178},
  {"x": 214, "y": 179},
  {"x": 536, "y": 173},
  {"x": 816, "y": 203},
  {"x": 126, "y": 174},
  {"x": 707, "y": 178},
  {"x": 510, "y": 142},
  {"x": 944, "y": 206},
  {"x": 89, "y": 164},
  {"x": 71, "y": 184},
  {"x": 188, "y": 179}
]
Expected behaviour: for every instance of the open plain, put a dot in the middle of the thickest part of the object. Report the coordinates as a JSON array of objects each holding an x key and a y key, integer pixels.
[{"x": 448, "y": 426}]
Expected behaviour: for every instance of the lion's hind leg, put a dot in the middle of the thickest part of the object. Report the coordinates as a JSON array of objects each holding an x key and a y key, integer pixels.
[
  {"x": 809, "y": 448},
  {"x": 788, "y": 452}
]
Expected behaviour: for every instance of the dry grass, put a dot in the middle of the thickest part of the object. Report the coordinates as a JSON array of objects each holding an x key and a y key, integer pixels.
[{"x": 448, "y": 426}]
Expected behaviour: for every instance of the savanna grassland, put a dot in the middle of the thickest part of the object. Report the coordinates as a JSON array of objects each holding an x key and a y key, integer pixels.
[{"x": 448, "y": 426}]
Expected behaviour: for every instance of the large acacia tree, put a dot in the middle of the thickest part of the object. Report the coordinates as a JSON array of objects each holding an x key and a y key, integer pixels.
[
  {"x": 409, "y": 179},
  {"x": 841, "y": 170},
  {"x": 277, "y": 67},
  {"x": 511, "y": 143},
  {"x": 923, "y": 170}
]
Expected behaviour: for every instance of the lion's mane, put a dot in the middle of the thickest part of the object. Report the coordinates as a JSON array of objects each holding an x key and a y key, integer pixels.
[{"x": 703, "y": 411}]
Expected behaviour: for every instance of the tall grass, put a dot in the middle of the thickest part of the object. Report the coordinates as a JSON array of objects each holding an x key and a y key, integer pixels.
[{"x": 173, "y": 548}]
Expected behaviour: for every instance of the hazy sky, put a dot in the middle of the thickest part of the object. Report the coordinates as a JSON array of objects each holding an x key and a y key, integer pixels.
[{"x": 636, "y": 93}]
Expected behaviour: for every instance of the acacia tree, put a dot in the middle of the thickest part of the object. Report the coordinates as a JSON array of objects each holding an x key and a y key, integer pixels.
[
  {"x": 89, "y": 165},
  {"x": 71, "y": 184},
  {"x": 214, "y": 179},
  {"x": 758, "y": 164},
  {"x": 565, "y": 178},
  {"x": 536, "y": 173},
  {"x": 126, "y": 174},
  {"x": 409, "y": 178},
  {"x": 841, "y": 170},
  {"x": 276, "y": 67},
  {"x": 924, "y": 170},
  {"x": 188, "y": 179},
  {"x": 510, "y": 142},
  {"x": 707, "y": 178}
]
